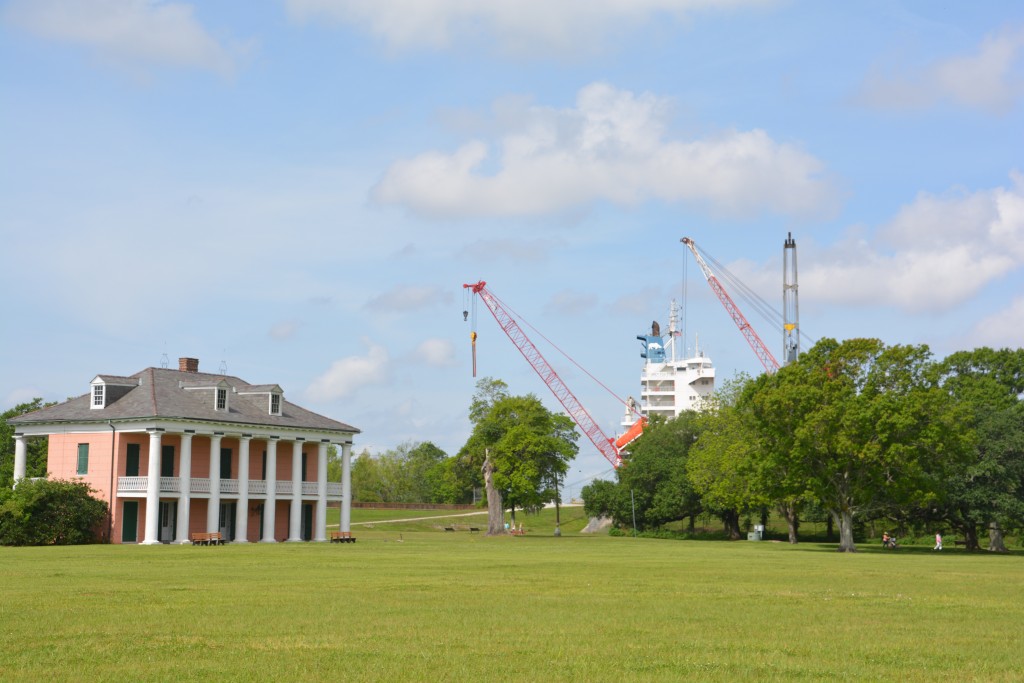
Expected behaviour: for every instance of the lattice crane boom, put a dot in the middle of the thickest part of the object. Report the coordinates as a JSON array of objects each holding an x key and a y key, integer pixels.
[
  {"x": 609, "y": 448},
  {"x": 760, "y": 350}
]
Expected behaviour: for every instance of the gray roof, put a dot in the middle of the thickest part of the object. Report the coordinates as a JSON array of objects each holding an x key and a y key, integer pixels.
[{"x": 161, "y": 394}]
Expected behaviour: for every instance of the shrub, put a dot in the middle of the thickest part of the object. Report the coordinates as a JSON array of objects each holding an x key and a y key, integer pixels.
[{"x": 50, "y": 512}]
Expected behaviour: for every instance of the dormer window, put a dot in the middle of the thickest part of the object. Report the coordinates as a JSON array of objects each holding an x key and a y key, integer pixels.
[
  {"x": 275, "y": 404},
  {"x": 98, "y": 395},
  {"x": 222, "y": 399}
]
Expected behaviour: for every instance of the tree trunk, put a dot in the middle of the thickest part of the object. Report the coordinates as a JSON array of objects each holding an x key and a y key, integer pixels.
[
  {"x": 789, "y": 511},
  {"x": 995, "y": 538},
  {"x": 971, "y": 537},
  {"x": 693, "y": 523},
  {"x": 844, "y": 518},
  {"x": 495, "y": 509},
  {"x": 828, "y": 528},
  {"x": 731, "y": 518}
]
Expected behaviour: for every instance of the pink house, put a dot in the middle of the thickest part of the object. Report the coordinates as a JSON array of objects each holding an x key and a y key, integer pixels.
[{"x": 176, "y": 452}]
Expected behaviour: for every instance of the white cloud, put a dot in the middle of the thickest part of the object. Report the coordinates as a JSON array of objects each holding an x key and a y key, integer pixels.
[
  {"x": 984, "y": 80},
  {"x": 438, "y": 353},
  {"x": 519, "y": 27},
  {"x": 571, "y": 302},
  {"x": 408, "y": 298},
  {"x": 348, "y": 375},
  {"x": 527, "y": 251},
  {"x": 126, "y": 32},
  {"x": 936, "y": 253},
  {"x": 284, "y": 330},
  {"x": 610, "y": 147},
  {"x": 1004, "y": 329}
]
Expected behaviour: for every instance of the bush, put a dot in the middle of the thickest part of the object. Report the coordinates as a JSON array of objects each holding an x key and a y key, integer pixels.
[{"x": 50, "y": 512}]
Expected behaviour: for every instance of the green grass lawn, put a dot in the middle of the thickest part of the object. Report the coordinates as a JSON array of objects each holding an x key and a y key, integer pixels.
[{"x": 437, "y": 606}]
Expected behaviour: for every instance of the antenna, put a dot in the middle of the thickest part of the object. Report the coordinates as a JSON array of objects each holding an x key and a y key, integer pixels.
[{"x": 164, "y": 360}]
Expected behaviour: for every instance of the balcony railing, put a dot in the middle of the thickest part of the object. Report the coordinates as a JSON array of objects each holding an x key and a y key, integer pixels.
[{"x": 133, "y": 486}]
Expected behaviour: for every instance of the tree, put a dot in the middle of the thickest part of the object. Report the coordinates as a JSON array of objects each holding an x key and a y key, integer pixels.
[
  {"x": 655, "y": 474},
  {"x": 519, "y": 447},
  {"x": 412, "y": 472},
  {"x": 872, "y": 429},
  {"x": 50, "y": 512},
  {"x": 35, "y": 449},
  {"x": 989, "y": 489},
  {"x": 721, "y": 466}
]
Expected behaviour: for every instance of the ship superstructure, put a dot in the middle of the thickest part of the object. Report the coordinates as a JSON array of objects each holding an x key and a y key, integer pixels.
[{"x": 671, "y": 380}]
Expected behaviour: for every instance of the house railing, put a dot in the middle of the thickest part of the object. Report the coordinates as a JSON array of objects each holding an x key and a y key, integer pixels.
[{"x": 133, "y": 486}]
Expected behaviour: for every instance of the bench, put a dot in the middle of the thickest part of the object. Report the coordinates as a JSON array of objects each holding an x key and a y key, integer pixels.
[
  {"x": 206, "y": 538},
  {"x": 342, "y": 537},
  {"x": 449, "y": 528},
  {"x": 474, "y": 529},
  {"x": 959, "y": 542}
]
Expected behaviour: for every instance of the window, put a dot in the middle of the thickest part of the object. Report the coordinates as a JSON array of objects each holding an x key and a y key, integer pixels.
[
  {"x": 264, "y": 477},
  {"x": 275, "y": 404},
  {"x": 83, "y": 458},
  {"x": 222, "y": 399},
  {"x": 303, "y": 467},
  {"x": 97, "y": 395}
]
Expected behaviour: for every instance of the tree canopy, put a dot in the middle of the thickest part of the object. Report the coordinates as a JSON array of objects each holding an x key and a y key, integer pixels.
[
  {"x": 521, "y": 448},
  {"x": 860, "y": 429}
]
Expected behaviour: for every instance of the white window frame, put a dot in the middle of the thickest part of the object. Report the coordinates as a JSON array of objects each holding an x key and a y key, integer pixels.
[
  {"x": 275, "y": 409},
  {"x": 99, "y": 396},
  {"x": 218, "y": 405}
]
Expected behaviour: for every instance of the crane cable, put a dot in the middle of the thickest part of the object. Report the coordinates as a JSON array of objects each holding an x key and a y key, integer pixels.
[
  {"x": 554, "y": 346},
  {"x": 770, "y": 314}
]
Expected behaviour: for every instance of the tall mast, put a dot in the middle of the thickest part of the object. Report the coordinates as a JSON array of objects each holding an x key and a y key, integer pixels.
[
  {"x": 673, "y": 320},
  {"x": 790, "y": 303}
]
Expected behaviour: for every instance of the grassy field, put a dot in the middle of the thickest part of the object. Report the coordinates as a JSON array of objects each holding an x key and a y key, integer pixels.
[{"x": 410, "y": 602}]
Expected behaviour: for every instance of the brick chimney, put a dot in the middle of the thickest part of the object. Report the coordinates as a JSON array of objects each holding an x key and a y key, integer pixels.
[{"x": 188, "y": 365}]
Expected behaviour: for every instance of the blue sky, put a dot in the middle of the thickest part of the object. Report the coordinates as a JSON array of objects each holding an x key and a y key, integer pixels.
[{"x": 299, "y": 189}]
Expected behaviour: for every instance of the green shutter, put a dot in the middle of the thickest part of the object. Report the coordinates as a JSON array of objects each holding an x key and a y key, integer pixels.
[
  {"x": 131, "y": 466},
  {"x": 167, "y": 461},
  {"x": 83, "y": 458}
]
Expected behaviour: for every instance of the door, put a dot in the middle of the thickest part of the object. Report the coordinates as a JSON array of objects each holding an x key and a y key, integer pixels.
[
  {"x": 168, "y": 520},
  {"x": 227, "y": 521},
  {"x": 307, "y": 522},
  {"x": 130, "y": 521}
]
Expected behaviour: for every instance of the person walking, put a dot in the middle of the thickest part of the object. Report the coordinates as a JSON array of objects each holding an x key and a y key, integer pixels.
[{"x": 938, "y": 542}]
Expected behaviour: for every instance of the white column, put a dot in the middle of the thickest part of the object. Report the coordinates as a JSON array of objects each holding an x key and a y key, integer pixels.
[
  {"x": 242, "y": 512},
  {"x": 320, "y": 524},
  {"x": 295, "y": 523},
  {"x": 185, "y": 477},
  {"x": 346, "y": 487},
  {"x": 213, "y": 511},
  {"x": 270, "y": 506},
  {"x": 19, "y": 457},
  {"x": 153, "y": 489}
]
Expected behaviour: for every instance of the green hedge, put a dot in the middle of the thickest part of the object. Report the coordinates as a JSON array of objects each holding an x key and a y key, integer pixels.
[{"x": 50, "y": 512}]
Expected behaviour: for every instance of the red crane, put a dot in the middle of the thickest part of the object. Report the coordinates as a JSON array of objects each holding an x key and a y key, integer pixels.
[
  {"x": 762, "y": 352},
  {"x": 611, "y": 449}
]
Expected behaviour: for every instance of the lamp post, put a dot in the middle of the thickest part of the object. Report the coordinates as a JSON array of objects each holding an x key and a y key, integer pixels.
[{"x": 558, "y": 519}]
